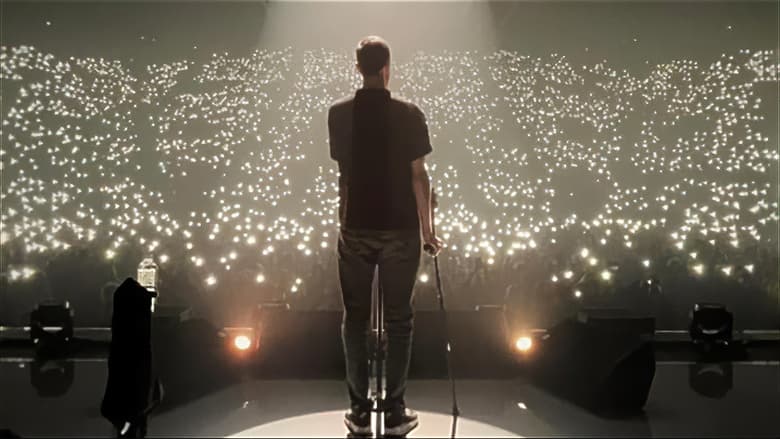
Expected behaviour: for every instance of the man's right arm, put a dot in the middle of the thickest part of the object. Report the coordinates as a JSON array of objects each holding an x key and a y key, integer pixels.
[
  {"x": 422, "y": 194},
  {"x": 421, "y": 185}
]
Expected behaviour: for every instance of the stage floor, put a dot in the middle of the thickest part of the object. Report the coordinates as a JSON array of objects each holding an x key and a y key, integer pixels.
[{"x": 251, "y": 407}]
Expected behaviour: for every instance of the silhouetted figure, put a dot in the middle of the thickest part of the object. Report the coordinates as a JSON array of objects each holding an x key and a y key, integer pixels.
[{"x": 133, "y": 389}]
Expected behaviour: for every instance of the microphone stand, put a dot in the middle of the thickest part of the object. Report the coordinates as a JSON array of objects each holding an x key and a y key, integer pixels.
[
  {"x": 428, "y": 248},
  {"x": 379, "y": 352}
]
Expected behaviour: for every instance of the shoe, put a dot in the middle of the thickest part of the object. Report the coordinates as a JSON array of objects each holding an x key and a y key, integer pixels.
[
  {"x": 358, "y": 421},
  {"x": 400, "y": 421}
]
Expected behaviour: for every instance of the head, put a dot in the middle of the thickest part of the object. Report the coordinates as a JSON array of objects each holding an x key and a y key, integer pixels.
[{"x": 373, "y": 60}]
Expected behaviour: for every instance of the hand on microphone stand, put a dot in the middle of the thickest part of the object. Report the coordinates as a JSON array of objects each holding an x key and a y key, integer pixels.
[{"x": 432, "y": 244}]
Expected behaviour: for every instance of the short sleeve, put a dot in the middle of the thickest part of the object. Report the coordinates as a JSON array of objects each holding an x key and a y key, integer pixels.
[{"x": 420, "y": 143}]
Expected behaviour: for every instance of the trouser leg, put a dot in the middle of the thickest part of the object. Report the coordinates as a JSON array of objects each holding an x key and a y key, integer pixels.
[
  {"x": 398, "y": 265},
  {"x": 356, "y": 272}
]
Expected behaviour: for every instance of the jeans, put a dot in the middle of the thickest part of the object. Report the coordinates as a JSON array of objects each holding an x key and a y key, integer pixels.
[{"x": 397, "y": 252}]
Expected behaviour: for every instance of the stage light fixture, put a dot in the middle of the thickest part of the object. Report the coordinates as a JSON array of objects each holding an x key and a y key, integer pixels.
[
  {"x": 524, "y": 344},
  {"x": 711, "y": 323},
  {"x": 51, "y": 322},
  {"x": 242, "y": 342}
]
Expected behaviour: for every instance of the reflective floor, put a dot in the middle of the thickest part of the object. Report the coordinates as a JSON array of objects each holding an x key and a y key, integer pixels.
[{"x": 250, "y": 407}]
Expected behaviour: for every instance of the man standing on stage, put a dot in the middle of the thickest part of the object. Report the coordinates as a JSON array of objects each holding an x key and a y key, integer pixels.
[{"x": 384, "y": 208}]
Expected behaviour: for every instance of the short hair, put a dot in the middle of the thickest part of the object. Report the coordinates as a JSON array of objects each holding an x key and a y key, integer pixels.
[{"x": 373, "y": 53}]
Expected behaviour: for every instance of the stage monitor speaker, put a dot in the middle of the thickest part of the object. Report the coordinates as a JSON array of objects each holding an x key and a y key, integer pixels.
[
  {"x": 481, "y": 346},
  {"x": 298, "y": 344},
  {"x": 307, "y": 344},
  {"x": 601, "y": 359}
]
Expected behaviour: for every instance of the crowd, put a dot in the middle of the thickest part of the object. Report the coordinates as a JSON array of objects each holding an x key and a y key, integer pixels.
[{"x": 560, "y": 185}]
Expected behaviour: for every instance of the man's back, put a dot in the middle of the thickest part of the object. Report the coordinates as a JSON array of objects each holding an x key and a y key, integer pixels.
[
  {"x": 375, "y": 137},
  {"x": 379, "y": 143}
]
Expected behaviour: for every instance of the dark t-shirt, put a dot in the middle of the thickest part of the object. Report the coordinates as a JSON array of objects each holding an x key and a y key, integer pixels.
[{"x": 375, "y": 137}]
